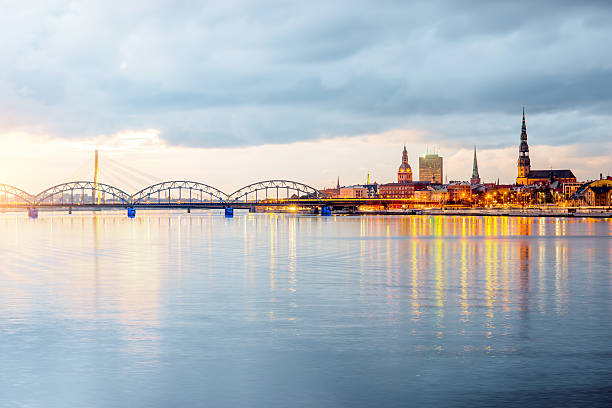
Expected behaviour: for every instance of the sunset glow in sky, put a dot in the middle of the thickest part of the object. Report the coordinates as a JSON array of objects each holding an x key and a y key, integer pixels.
[{"x": 229, "y": 93}]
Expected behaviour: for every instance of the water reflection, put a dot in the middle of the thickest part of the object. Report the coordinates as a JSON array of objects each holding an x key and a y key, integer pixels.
[
  {"x": 165, "y": 294},
  {"x": 389, "y": 251}
]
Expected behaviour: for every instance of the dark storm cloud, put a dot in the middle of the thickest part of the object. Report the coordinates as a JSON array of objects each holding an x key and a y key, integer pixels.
[{"x": 241, "y": 73}]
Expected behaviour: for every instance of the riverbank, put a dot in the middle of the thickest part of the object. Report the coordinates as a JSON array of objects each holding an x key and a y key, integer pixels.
[
  {"x": 506, "y": 212},
  {"x": 526, "y": 212}
]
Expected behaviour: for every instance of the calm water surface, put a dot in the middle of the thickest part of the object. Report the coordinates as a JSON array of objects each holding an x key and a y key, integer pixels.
[{"x": 195, "y": 310}]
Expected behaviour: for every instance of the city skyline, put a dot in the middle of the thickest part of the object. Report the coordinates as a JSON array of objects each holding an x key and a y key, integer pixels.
[
  {"x": 320, "y": 84},
  {"x": 66, "y": 159},
  {"x": 342, "y": 203}
]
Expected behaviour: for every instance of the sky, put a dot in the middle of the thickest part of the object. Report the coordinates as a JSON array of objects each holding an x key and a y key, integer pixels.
[{"x": 229, "y": 93}]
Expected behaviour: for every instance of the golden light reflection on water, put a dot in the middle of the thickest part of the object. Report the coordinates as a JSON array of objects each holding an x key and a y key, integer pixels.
[
  {"x": 465, "y": 312},
  {"x": 415, "y": 281},
  {"x": 433, "y": 270},
  {"x": 491, "y": 287},
  {"x": 512, "y": 251},
  {"x": 440, "y": 287}
]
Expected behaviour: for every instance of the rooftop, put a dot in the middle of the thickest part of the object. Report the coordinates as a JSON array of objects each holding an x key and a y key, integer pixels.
[{"x": 548, "y": 173}]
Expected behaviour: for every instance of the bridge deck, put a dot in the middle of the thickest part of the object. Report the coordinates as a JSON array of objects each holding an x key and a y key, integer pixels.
[{"x": 332, "y": 202}]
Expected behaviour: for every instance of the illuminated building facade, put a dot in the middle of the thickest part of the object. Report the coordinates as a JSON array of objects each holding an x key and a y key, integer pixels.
[
  {"x": 459, "y": 191},
  {"x": 396, "y": 190},
  {"x": 432, "y": 193},
  {"x": 570, "y": 188},
  {"x": 548, "y": 176},
  {"x": 404, "y": 187},
  {"x": 356, "y": 191},
  {"x": 526, "y": 176},
  {"x": 596, "y": 193},
  {"x": 524, "y": 162},
  {"x": 430, "y": 168},
  {"x": 404, "y": 174},
  {"x": 372, "y": 188}
]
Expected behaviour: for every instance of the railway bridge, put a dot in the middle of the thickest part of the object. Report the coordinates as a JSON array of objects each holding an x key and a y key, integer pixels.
[{"x": 180, "y": 194}]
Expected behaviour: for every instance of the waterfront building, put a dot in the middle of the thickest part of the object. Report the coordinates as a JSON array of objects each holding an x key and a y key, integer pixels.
[
  {"x": 548, "y": 176},
  {"x": 401, "y": 190},
  {"x": 570, "y": 188},
  {"x": 527, "y": 176},
  {"x": 372, "y": 188},
  {"x": 355, "y": 191},
  {"x": 432, "y": 193},
  {"x": 404, "y": 174},
  {"x": 461, "y": 191},
  {"x": 439, "y": 193},
  {"x": 430, "y": 168},
  {"x": 396, "y": 190},
  {"x": 596, "y": 193},
  {"x": 475, "y": 176},
  {"x": 332, "y": 192},
  {"x": 422, "y": 195},
  {"x": 404, "y": 187},
  {"x": 502, "y": 194}
]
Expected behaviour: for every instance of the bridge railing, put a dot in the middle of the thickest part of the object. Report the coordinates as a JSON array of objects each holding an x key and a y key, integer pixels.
[
  {"x": 82, "y": 193},
  {"x": 178, "y": 192},
  {"x": 274, "y": 190}
]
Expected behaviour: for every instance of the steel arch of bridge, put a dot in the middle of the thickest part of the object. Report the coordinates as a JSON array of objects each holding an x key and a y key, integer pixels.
[
  {"x": 302, "y": 190},
  {"x": 195, "y": 193},
  {"x": 16, "y": 192},
  {"x": 80, "y": 186},
  {"x": 206, "y": 193}
]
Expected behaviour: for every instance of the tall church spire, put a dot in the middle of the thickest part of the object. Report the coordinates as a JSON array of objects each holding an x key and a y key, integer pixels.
[
  {"x": 524, "y": 163},
  {"x": 524, "y": 128},
  {"x": 475, "y": 176}
]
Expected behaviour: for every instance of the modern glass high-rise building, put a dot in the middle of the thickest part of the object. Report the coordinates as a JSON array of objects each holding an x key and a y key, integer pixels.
[{"x": 430, "y": 168}]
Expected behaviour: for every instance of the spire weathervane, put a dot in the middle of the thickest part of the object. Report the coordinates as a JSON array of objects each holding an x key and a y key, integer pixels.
[{"x": 524, "y": 128}]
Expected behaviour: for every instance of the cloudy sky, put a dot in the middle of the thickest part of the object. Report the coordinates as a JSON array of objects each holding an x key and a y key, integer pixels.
[{"x": 230, "y": 92}]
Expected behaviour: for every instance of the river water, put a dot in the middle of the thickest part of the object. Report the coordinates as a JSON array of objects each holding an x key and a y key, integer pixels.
[{"x": 268, "y": 310}]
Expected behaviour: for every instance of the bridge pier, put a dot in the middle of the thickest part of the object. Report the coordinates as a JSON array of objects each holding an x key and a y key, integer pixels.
[
  {"x": 131, "y": 212},
  {"x": 188, "y": 210},
  {"x": 229, "y": 212},
  {"x": 70, "y": 210},
  {"x": 33, "y": 212},
  {"x": 252, "y": 209},
  {"x": 326, "y": 211}
]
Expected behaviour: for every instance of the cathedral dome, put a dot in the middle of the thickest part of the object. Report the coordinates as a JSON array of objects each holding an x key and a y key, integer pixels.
[{"x": 404, "y": 168}]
